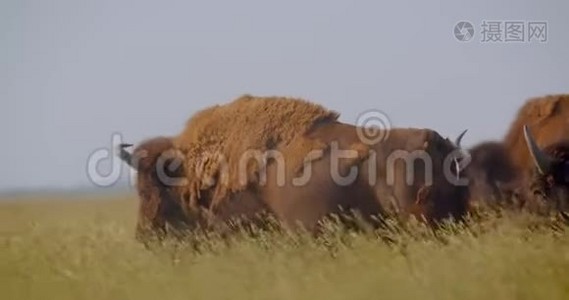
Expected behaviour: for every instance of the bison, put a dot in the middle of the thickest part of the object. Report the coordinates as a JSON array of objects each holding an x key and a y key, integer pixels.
[
  {"x": 503, "y": 171},
  {"x": 410, "y": 172}
]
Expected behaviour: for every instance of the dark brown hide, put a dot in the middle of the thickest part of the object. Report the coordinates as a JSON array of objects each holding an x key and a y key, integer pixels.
[{"x": 324, "y": 194}]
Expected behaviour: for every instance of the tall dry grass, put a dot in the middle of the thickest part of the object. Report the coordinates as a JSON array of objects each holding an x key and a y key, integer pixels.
[{"x": 84, "y": 249}]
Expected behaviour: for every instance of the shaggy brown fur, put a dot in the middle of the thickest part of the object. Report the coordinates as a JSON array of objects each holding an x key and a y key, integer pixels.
[
  {"x": 161, "y": 187},
  {"x": 215, "y": 140},
  {"x": 548, "y": 119}
]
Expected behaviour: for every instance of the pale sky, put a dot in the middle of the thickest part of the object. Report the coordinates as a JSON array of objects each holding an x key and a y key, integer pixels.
[{"x": 74, "y": 72}]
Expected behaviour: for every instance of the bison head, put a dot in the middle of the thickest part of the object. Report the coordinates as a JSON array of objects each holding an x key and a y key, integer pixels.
[
  {"x": 463, "y": 158},
  {"x": 448, "y": 194},
  {"x": 160, "y": 181},
  {"x": 550, "y": 177}
]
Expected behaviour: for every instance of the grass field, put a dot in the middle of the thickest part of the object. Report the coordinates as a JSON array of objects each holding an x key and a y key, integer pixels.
[{"x": 84, "y": 249}]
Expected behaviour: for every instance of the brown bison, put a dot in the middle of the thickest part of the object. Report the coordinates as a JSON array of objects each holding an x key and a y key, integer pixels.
[
  {"x": 305, "y": 166},
  {"x": 501, "y": 171}
]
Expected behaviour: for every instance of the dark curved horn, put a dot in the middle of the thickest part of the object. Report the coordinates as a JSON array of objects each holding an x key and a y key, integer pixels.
[
  {"x": 459, "y": 138},
  {"x": 125, "y": 155},
  {"x": 464, "y": 153},
  {"x": 541, "y": 160}
]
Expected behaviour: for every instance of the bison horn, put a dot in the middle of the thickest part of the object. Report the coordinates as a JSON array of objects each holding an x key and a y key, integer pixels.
[
  {"x": 459, "y": 138},
  {"x": 125, "y": 155},
  {"x": 542, "y": 160},
  {"x": 465, "y": 154}
]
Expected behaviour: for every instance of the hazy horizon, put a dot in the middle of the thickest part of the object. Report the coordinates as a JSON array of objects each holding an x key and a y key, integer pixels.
[{"x": 75, "y": 72}]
